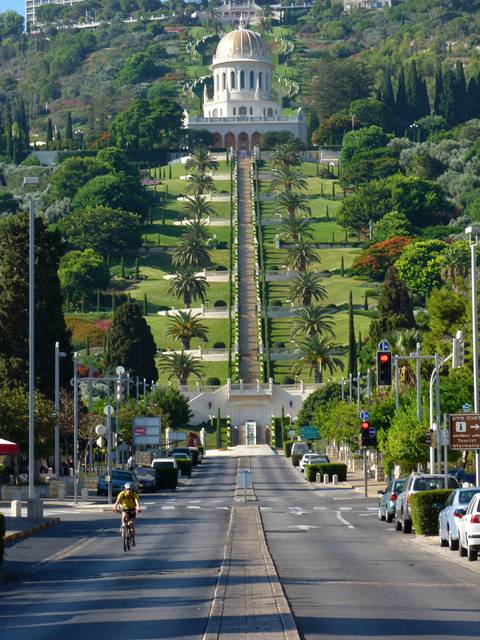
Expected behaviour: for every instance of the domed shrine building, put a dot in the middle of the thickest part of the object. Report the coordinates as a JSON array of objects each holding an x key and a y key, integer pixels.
[{"x": 242, "y": 106}]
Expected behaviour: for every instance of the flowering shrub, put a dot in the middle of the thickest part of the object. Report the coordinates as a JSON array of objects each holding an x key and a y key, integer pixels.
[{"x": 378, "y": 257}]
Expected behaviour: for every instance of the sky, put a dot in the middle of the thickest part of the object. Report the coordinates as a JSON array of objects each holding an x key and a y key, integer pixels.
[{"x": 16, "y": 5}]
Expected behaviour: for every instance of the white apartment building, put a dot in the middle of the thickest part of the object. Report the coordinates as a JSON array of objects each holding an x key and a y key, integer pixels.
[{"x": 31, "y": 7}]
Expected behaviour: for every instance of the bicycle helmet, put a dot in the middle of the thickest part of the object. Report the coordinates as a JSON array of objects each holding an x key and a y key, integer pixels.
[{"x": 128, "y": 485}]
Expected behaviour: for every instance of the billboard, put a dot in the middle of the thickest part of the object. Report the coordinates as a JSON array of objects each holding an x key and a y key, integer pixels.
[{"x": 147, "y": 431}]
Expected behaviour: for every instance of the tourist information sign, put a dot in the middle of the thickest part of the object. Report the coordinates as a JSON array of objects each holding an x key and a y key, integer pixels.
[{"x": 464, "y": 431}]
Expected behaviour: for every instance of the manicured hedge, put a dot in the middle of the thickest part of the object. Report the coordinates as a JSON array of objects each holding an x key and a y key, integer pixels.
[
  {"x": 296, "y": 457},
  {"x": 2, "y": 535},
  {"x": 168, "y": 478},
  {"x": 184, "y": 466},
  {"x": 287, "y": 447},
  {"x": 425, "y": 510},
  {"x": 332, "y": 468}
]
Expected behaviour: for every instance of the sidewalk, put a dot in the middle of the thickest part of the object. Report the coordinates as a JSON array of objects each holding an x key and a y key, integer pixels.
[{"x": 249, "y": 599}]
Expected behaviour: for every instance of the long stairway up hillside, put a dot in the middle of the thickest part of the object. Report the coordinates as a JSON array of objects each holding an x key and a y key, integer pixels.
[{"x": 248, "y": 340}]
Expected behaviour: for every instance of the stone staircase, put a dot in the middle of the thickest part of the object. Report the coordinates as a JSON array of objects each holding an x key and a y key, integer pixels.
[{"x": 248, "y": 339}]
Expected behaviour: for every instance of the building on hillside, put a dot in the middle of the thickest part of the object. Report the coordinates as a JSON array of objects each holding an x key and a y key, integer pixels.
[
  {"x": 351, "y": 5},
  {"x": 32, "y": 6},
  {"x": 242, "y": 106},
  {"x": 236, "y": 12}
]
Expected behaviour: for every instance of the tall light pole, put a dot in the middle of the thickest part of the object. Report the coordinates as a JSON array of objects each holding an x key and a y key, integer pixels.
[
  {"x": 473, "y": 232},
  {"x": 31, "y": 183},
  {"x": 75, "y": 428},
  {"x": 58, "y": 354}
]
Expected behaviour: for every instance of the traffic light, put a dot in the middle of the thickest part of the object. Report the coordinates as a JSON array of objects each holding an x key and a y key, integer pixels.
[
  {"x": 384, "y": 369},
  {"x": 458, "y": 351},
  {"x": 368, "y": 434}
]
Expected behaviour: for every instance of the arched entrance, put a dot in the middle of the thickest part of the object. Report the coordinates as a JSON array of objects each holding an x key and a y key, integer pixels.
[
  {"x": 230, "y": 140},
  {"x": 243, "y": 141},
  {"x": 217, "y": 140},
  {"x": 255, "y": 141}
]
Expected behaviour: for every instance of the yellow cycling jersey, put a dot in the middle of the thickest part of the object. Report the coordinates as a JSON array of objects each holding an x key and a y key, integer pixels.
[{"x": 127, "y": 500}]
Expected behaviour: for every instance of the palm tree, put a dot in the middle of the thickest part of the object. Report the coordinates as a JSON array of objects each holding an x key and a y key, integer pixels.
[
  {"x": 180, "y": 365},
  {"x": 185, "y": 326},
  {"x": 293, "y": 201},
  {"x": 199, "y": 183},
  {"x": 311, "y": 321},
  {"x": 307, "y": 287},
  {"x": 301, "y": 255},
  {"x": 318, "y": 353},
  {"x": 286, "y": 155},
  {"x": 196, "y": 229},
  {"x": 295, "y": 229},
  {"x": 287, "y": 179},
  {"x": 191, "y": 251},
  {"x": 187, "y": 285},
  {"x": 197, "y": 207},
  {"x": 201, "y": 161}
]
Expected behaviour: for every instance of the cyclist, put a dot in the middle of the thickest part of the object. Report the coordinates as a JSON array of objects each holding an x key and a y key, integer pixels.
[{"x": 129, "y": 502}]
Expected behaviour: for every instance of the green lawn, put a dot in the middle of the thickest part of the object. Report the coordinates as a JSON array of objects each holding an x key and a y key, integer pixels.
[{"x": 217, "y": 330}]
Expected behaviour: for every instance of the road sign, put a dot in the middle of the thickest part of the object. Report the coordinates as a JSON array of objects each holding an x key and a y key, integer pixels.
[
  {"x": 101, "y": 430},
  {"x": 467, "y": 407},
  {"x": 147, "y": 431},
  {"x": 101, "y": 442},
  {"x": 309, "y": 433},
  {"x": 120, "y": 370},
  {"x": 291, "y": 433},
  {"x": 364, "y": 416},
  {"x": 464, "y": 431},
  {"x": 108, "y": 409},
  {"x": 383, "y": 346}
]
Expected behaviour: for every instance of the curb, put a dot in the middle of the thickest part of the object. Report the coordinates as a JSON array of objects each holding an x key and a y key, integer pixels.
[
  {"x": 26, "y": 533},
  {"x": 290, "y": 631}
]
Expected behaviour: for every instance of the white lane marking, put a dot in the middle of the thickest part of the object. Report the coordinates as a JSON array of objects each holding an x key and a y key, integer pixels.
[
  {"x": 303, "y": 527},
  {"x": 343, "y": 521},
  {"x": 345, "y": 509},
  {"x": 372, "y": 508},
  {"x": 319, "y": 508},
  {"x": 365, "y": 515},
  {"x": 266, "y": 508},
  {"x": 224, "y": 508},
  {"x": 193, "y": 506},
  {"x": 390, "y": 529},
  {"x": 193, "y": 501},
  {"x": 169, "y": 507}
]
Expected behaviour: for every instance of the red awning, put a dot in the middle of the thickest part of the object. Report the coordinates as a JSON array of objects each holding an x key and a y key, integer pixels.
[{"x": 8, "y": 448}]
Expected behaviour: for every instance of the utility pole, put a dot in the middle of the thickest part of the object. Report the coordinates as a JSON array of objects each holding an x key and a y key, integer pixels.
[{"x": 58, "y": 354}]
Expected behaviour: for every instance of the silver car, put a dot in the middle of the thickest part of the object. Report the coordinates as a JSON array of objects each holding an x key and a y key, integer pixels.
[{"x": 455, "y": 508}]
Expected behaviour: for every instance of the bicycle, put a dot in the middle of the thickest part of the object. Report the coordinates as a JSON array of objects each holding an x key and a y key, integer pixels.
[{"x": 127, "y": 531}]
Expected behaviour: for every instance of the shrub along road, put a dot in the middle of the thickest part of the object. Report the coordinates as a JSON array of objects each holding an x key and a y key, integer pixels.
[{"x": 347, "y": 575}]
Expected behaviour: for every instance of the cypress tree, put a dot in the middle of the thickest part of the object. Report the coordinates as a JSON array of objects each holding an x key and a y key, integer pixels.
[
  {"x": 87, "y": 345},
  {"x": 411, "y": 91},
  {"x": 342, "y": 267},
  {"x": 387, "y": 94},
  {"x": 49, "y": 320},
  {"x": 365, "y": 301},
  {"x": 69, "y": 130},
  {"x": 448, "y": 102},
  {"x": 97, "y": 306},
  {"x": 114, "y": 301},
  {"x": 359, "y": 341},
  {"x": 49, "y": 134},
  {"x": 8, "y": 134},
  {"x": 137, "y": 271},
  {"x": 401, "y": 106},
  {"x": 437, "y": 107},
  {"x": 122, "y": 267},
  {"x": 352, "y": 345},
  {"x": 460, "y": 92},
  {"x": 473, "y": 98},
  {"x": 423, "y": 99},
  {"x": 395, "y": 309},
  {"x": 145, "y": 305},
  {"x": 82, "y": 302},
  {"x": 130, "y": 343}
]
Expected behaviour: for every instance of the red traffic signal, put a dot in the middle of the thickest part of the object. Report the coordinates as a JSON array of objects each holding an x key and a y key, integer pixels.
[
  {"x": 384, "y": 369},
  {"x": 365, "y": 425}
]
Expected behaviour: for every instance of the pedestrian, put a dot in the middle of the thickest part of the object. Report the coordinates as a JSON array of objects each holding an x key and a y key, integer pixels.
[{"x": 131, "y": 464}]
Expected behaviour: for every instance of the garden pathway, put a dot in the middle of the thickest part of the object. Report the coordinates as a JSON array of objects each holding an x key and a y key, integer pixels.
[{"x": 248, "y": 340}]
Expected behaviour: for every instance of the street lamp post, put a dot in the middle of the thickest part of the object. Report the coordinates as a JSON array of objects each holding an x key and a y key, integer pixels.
[
  {"x": 473, "y": 232},
  {"x": 32, "y": 183},
  {"x": 75, "y": 428},
  {"x": 58, "y": 354}
]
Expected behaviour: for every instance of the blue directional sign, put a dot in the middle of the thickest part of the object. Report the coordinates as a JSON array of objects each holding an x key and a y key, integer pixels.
[
  {"x": 309, "y": 433},
  {"x": 467, "y": 407},
  {"x": 364, "y": 416},
  {"x": 383, "y": 346}
]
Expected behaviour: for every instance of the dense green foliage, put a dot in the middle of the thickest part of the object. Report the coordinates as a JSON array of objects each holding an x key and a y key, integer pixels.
[
  {"x": 426, "y": 505},
  {"x": 329, "y": 468}
]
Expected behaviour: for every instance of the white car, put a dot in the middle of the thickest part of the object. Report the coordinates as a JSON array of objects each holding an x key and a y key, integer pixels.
[
  {"x": 311, "y": 458},
  {"x": 449, "y": 517},
  {"x": 469, "y": 530}
]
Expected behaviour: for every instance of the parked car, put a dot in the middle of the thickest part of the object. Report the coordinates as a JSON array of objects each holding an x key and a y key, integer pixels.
[
  {"x": 119, "y": 478},
  {"x": 415, "y": 483},
  {"x": 469, "y": 530},
  {"x": 184, "y": 464},
  {"x": 299, "y": 449},
  {"x": 312, "y": 458},
  {"x": 388, "y": 498},
  {"x": 167, "y": 472},
  {"x": 455, "y": 508},
  {"x": 147, "y": 478}
]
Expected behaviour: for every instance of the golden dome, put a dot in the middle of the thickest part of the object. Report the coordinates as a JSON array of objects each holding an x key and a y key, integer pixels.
[{"x": 241, "y": 44}]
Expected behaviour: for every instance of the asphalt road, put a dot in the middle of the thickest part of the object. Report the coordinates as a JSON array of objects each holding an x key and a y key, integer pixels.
[
  {"x": 348, "y": 576},
  {"x": 92, "y": 589}
]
